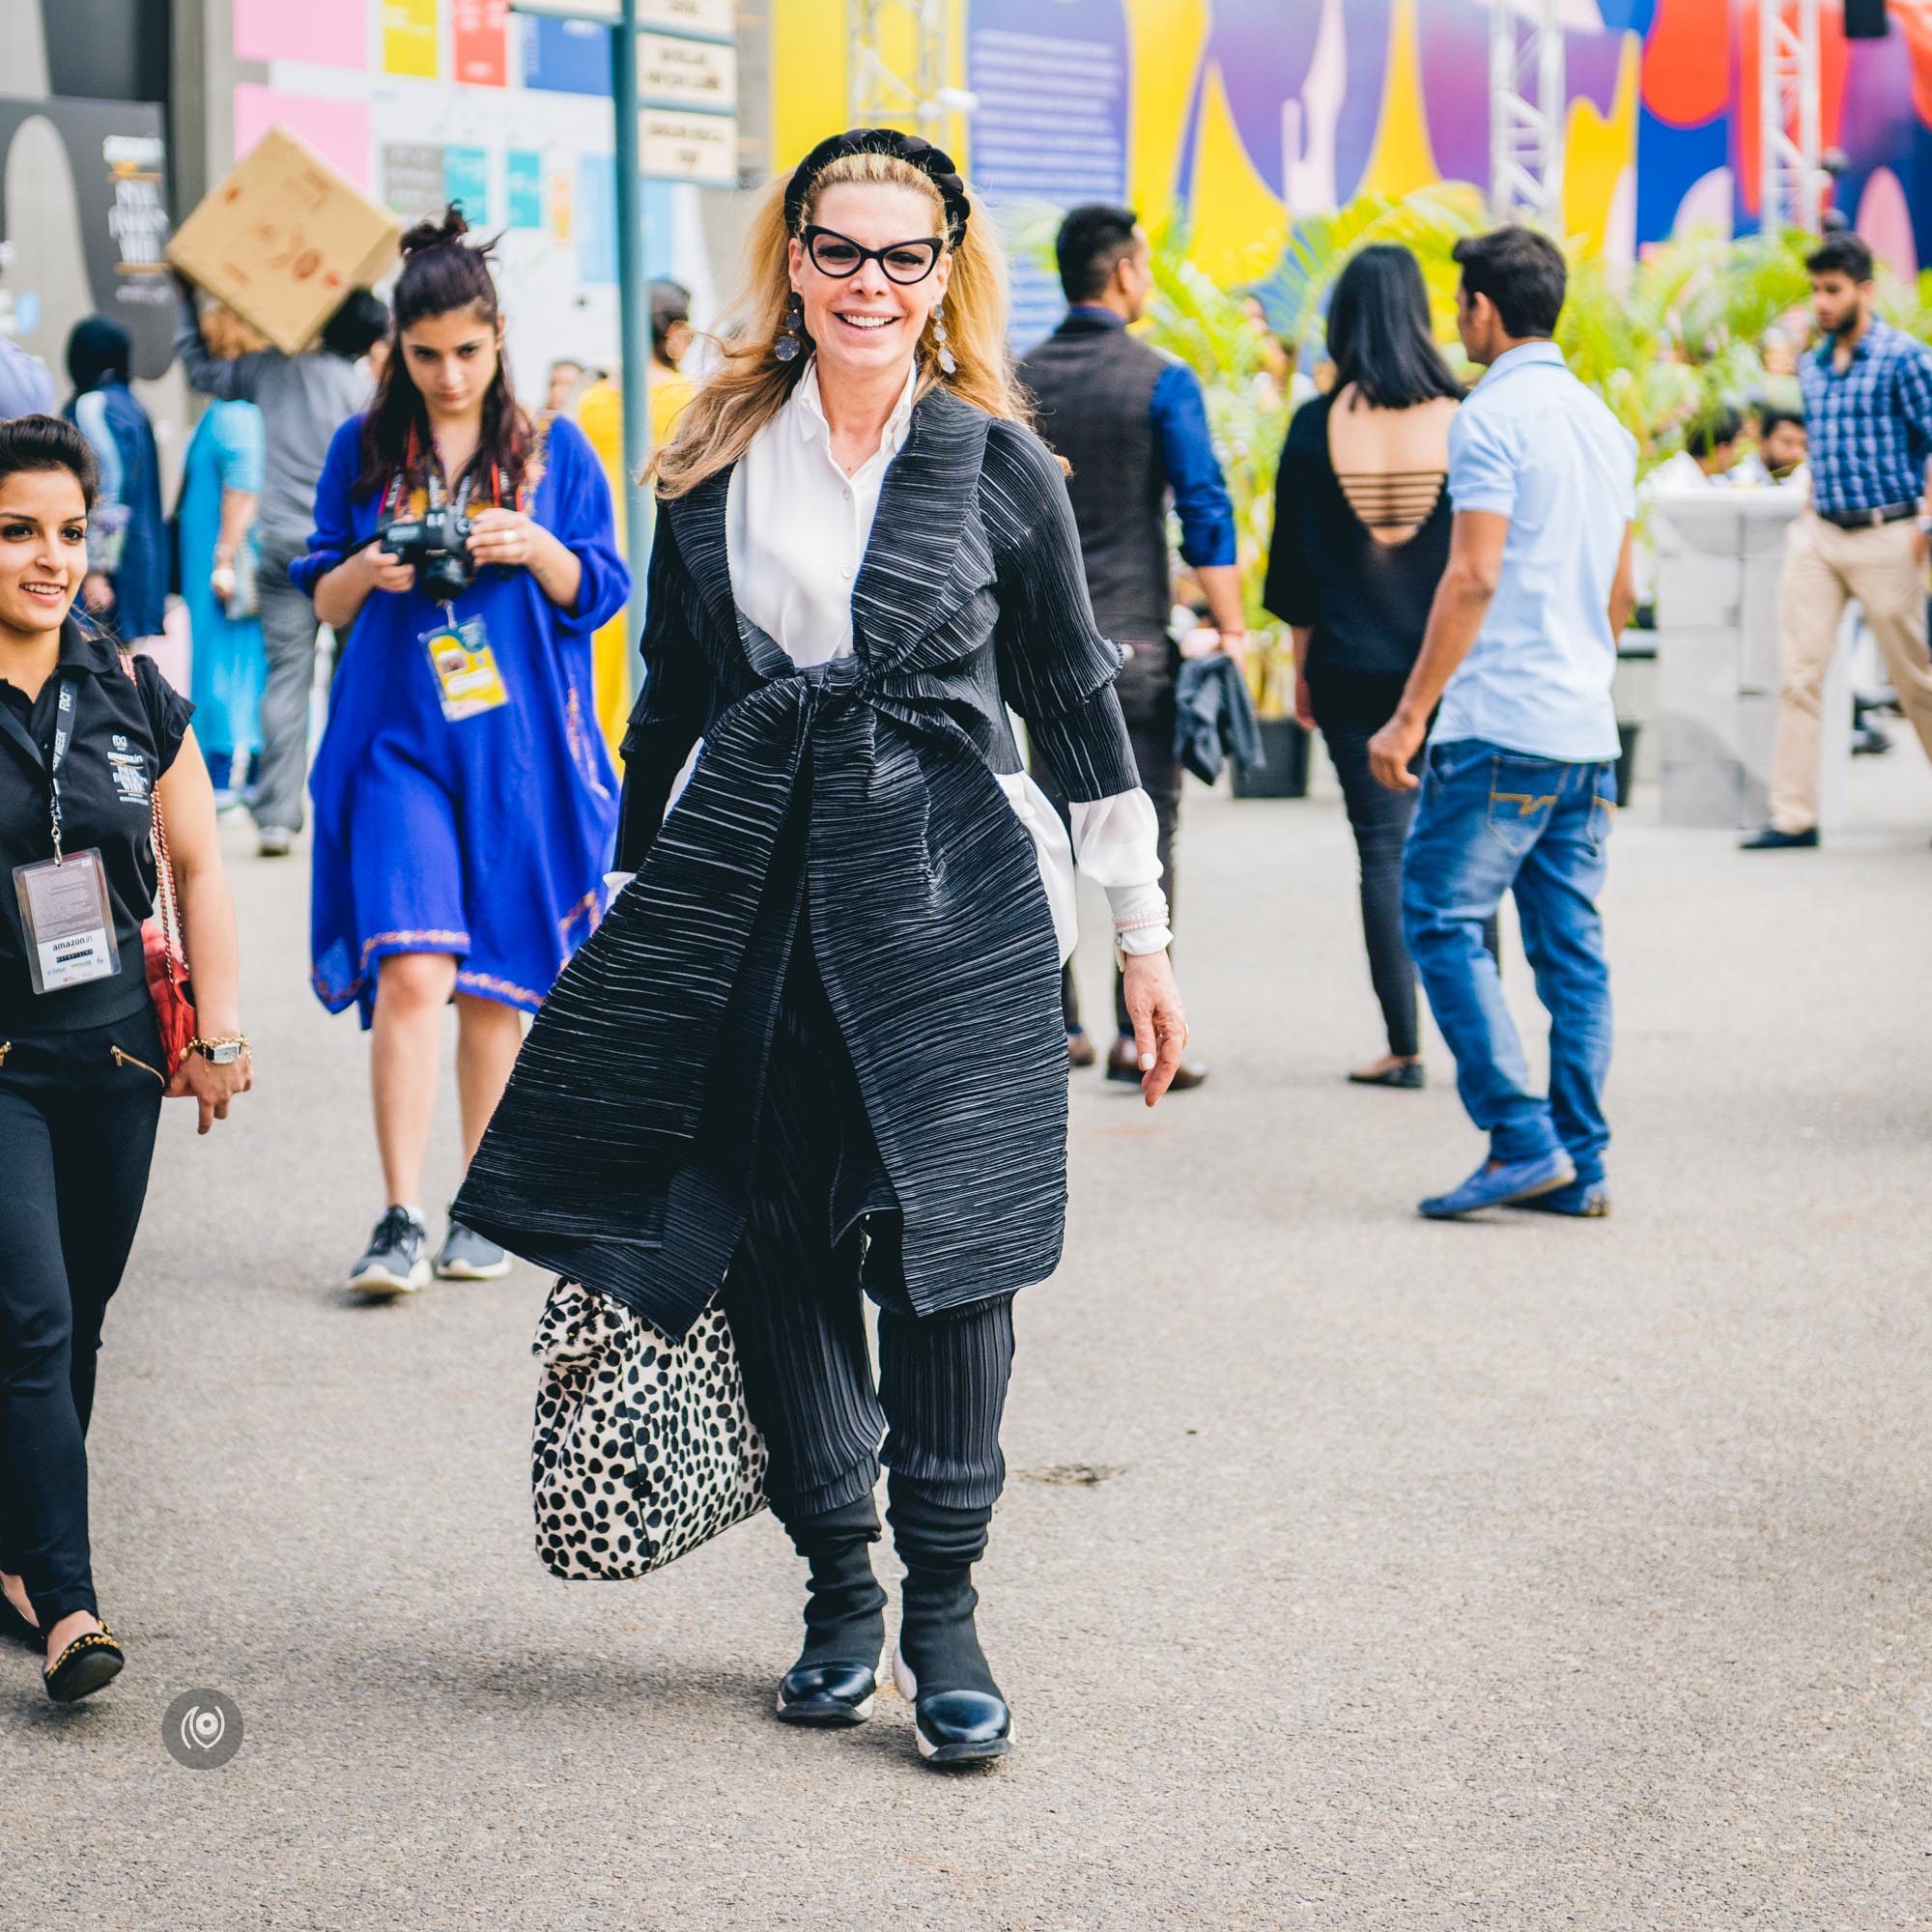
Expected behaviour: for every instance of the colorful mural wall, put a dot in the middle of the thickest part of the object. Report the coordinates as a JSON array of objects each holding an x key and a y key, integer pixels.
[{"x": 1250, "y": 111}]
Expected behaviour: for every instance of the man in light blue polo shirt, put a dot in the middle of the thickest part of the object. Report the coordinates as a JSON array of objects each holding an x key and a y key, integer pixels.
[{"x": 1518, "y": 785}]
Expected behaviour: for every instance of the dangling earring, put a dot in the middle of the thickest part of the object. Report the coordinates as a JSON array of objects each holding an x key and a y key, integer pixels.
[
  {"x": 947, "y": 365},
  {"x": 790, "y": 344}
]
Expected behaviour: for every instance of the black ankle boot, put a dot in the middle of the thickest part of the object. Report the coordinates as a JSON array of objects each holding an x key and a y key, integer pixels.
[
  {"x": 958, "y": 1714},
  {"x": 838, "y": 1672}
]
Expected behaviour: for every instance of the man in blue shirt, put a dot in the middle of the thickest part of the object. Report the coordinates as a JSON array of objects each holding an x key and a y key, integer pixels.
[
  {"x": 1519, "y": 782},
  {"x": 1132, "y": 423},
  {"x": 1868, "y": 418}
]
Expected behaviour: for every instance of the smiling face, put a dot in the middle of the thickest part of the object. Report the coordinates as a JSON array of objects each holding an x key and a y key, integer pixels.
[
  {"x": 42, "y": 549},
  {"x": 863, "y": 322},
  {"x": 452, "y": 360}
]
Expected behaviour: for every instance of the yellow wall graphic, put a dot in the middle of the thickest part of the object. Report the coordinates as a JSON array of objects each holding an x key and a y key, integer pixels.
[{"x": 408, "y": 36}]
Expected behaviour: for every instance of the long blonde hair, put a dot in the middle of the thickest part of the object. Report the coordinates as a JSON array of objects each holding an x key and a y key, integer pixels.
[{"x": 751, "y": 386}]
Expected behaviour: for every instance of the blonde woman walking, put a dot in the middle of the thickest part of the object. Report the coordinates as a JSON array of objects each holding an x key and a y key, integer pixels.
[{"x": 815, "y": 1047}]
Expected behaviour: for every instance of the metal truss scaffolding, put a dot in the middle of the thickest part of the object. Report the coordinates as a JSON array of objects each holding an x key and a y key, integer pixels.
[
  {"x": 1527, "y": 110},
  {"x": 896, "y": 58},
  {"x": 1788, "y": 116}
]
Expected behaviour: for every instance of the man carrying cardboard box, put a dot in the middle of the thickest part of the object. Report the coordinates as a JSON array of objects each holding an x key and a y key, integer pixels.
[
  {"x": 304, "y": 400},
  {"x": 294, "y": 249}
]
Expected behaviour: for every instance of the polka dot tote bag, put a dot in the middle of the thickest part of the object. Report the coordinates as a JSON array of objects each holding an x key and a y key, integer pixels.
[{"x": 642, "y": 1447}]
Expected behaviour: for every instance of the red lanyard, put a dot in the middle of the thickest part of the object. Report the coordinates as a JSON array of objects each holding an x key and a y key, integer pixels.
[{"x": 392, "y": 497}]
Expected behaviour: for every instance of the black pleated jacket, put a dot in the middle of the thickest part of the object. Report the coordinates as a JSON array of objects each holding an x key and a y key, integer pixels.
[{"x": 858, "y": 795}]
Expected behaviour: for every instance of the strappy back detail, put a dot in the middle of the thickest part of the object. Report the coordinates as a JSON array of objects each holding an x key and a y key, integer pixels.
[{"x": 1392, "y": 505}]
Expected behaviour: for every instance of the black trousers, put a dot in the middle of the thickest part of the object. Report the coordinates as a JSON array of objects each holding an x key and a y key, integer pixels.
[
  {"x": 1379, "y": 820},
  {"x": 77, "y": 1119},
  {"x": 821, "y": 1233},
  {"x": 1150, "y": 732}
]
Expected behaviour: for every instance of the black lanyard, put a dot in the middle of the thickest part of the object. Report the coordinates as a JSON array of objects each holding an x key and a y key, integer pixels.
[{"x": 62, "y": 737}]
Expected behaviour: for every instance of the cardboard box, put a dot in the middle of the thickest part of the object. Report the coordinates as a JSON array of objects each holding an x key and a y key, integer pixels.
[{"x": 284, "y": 240}]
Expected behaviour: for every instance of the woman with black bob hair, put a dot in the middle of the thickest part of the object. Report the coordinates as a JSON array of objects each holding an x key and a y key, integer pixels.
[
  {"x": 464, "y": 801},
  {"x": 1361, "y": 536},
  {"x": 96, "y": 756}
]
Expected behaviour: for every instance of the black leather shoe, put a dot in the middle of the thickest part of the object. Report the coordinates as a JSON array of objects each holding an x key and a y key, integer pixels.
[
  {"x": 953, "y": 1727},
  {"x": 1405, "y": 1074},
  {"x": 844, "y": 1620},
  {"x": 829, "y": 1695},
  {"x": 1123, "y": 1063},
  {"x": 1771, "y": 839}
]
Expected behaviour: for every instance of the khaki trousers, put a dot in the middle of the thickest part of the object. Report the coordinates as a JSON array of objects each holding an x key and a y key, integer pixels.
[{"x": 1824, "y": 566}]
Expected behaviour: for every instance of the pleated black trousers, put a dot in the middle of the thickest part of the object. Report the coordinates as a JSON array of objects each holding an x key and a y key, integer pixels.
[{"x": 822, "y": 1232}]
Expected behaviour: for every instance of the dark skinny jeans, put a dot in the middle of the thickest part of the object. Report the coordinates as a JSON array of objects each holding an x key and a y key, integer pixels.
[
  {"x": 1379, "y": 820},
  {"x": 76, "y": 1137}
]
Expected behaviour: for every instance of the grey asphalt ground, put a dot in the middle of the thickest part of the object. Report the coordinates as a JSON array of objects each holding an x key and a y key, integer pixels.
[{"x": 1354, "y": 1572}]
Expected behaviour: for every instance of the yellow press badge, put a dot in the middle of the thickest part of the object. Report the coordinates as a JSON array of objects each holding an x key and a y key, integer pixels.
[
  {"x": 70, "y": 921},
  {"x": 465, "y": 669}
]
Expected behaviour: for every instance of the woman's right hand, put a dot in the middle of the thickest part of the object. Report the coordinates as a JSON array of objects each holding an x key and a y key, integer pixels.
[
  {"x": 211, "y": 1087},
  {"x": 385, "y": 571}
]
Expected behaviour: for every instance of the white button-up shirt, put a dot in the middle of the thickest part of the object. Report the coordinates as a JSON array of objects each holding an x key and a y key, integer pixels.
[{"x": 796, "y": 529}]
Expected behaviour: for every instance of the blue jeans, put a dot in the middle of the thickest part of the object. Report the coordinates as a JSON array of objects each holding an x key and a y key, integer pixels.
[{"x": 1490, "y": 821}]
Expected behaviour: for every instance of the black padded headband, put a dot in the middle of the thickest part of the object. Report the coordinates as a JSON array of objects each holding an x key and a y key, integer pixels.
[{"x": 935, "y": 163}]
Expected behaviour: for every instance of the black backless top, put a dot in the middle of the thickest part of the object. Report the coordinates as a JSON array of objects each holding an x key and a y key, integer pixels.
[{"x": 1366, "y": 601}]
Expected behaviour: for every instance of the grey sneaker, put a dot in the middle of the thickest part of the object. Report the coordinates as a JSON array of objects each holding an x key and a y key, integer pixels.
[
  {"x": 274, "y": 842},
  {"x": 466, "y": 1256},
  {"x": 396, "y": 1263}
]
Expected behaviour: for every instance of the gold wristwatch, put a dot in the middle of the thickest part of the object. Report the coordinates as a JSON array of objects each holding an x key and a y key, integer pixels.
[{"x": 220, "y": 1052}]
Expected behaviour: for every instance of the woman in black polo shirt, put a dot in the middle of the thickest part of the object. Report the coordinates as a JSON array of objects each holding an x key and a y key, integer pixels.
[{"x": 86, "y": 742}]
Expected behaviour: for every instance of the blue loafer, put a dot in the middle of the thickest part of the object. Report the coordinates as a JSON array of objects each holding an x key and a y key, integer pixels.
[
  {"x": 1582, "y": 1201},
  {"x": 1498, "y": 1184}
]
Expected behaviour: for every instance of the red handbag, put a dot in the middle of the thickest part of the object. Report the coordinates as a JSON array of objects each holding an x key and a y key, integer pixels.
[
  {"x": 162, "y": 947},
  {"x": 166, "y": 963}
]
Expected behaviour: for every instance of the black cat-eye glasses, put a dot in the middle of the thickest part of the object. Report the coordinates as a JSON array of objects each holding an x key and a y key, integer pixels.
[{"x": 904, "y": 262}]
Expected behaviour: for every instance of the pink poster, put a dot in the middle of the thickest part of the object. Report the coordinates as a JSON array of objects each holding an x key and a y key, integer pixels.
[
  {"x": 338, "y": 130},
  {"x": 333, "y": 34}
]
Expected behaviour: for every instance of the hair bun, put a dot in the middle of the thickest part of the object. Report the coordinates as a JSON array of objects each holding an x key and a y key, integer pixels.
[{"x": 442, "y": 233}]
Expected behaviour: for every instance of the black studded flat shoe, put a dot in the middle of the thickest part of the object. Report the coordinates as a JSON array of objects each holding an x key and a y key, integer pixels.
[
  {"x": 954, "y": 1727},
  {"x": 86, "y": 1665},
  {"x": 830, "y": 1696}
]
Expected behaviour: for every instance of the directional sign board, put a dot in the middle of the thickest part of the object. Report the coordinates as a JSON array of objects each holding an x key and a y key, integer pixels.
[
  {"x": 674, "y": 72},
  {"x": 606, "y": 13},
  {"x": 701, "y": 147},
  {"x": 706, "y": 19},
  {"x": 687, "y": 83}
]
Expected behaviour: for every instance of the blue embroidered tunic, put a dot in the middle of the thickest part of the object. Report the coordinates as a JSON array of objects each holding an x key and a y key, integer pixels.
[{"x": 488, "y": 837}]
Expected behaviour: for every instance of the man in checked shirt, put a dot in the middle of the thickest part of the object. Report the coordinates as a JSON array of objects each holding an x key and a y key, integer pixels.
[{"x": 1869, "y": 414}]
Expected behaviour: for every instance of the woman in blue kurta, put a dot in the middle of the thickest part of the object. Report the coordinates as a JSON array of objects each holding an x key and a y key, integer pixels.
[
  {"x": 220, "y": 481},
  {"x": 464, "y": 800}
]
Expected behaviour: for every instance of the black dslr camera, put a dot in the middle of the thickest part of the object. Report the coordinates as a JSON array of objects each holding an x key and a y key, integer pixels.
[{"x": 437, "y": 545}]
